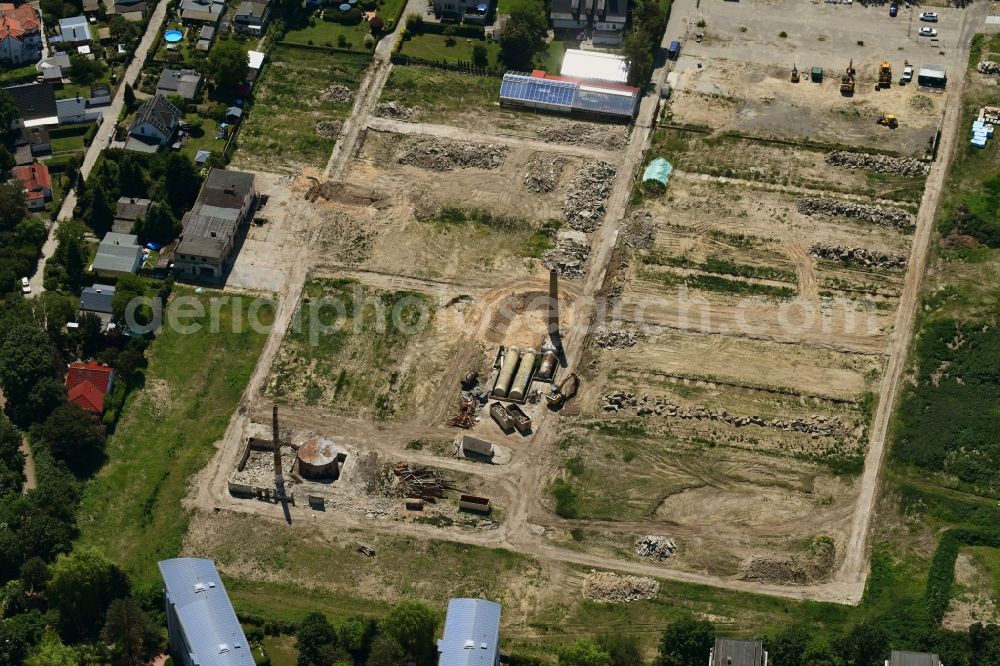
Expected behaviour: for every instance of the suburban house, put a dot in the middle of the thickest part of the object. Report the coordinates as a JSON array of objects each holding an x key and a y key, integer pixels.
[
  {"x": 91, "y": 6},
  {"x": 471, "y": 634},
  {"x": 251, "y": 17},
  {"x": 202, "y": 626},
  {"x": 470, "y": 11},
  {"x": 154, "y": 125},
  {"x": 75, "y": 110},
  {"x": 36, "y": 105},
  {"x": 732, "y": 652},
  {"x": 118, "y": 254},
  {"x": 87, "y": 384},
  {"x": 129, "y": 211},
  {"x": 97, "y": 300},
  {"x": 202, "y": 11},
  {"x": 20, "y": 33},
  {"x": 75, "y": 30},
  {"x": 212, "y": 228},
  {"x": 184, "y": 83},
  {"x": 900, "y": 658},
  {"x": 600, "y": 21},
  {"x": 130, "y": 10},
  {"x": 54, "y": 67},
  {"x": 36, "y": 183},
  {"x": 205, "y": 38}
]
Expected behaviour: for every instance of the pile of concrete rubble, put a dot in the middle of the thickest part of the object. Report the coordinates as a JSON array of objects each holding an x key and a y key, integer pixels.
[
  {"x": 328, "y": 128},
  {"x": 609, "y": 587},
  {"x": 655, "y": 547},
  {"x": 616, "y": 336},
  {"x": 337, "y": 94},
  {"x": 885, "y": 216},
  {"x": 543, "y": 173},
  {"x": 858, "y": 255},
  {"x": 988, "y": 67},
  {"x": 569, "y": 257},
  {"x": 640, "y": 230},
  {"x": 445, "y": 154},
  {"x": 903, "y": 166},
  {"x": 815, "y": 425},
  {"x": 393, "y": 110},
  {"x": 588, "y": 195},
  {"x": 604, "y": 137}
]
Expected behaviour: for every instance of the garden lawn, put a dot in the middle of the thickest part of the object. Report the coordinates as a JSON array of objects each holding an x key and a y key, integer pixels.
[
  {"x": 328, "y": 33},
  {"x": 435, "y": 47},
  {"x": 204, "y": 138}
]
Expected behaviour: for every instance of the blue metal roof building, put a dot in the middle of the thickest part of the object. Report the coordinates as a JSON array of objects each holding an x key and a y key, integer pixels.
[
  {"x": 563, "y": 95},
  {"x": 471, "y": 634},
  {"x": 203, "y": 627}
]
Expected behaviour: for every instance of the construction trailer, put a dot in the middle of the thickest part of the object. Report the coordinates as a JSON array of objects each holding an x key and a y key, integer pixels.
[
  {"x": 477, "y": 446},
  {"x": 932, "y": 76},
  {"x": 816, "y": 75},
  {"x": 474, "y": 503}
]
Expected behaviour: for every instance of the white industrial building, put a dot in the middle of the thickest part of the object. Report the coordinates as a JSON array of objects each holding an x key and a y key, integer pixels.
[{"x": 594, "y": 65}]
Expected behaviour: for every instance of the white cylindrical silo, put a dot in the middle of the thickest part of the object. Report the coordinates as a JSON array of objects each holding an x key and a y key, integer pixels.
[
  {"x": 506, "y": 372},
  {"x": 519, "y": 388}
]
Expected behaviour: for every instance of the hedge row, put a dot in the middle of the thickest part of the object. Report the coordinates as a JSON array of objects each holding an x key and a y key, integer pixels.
[{"x": 942, "y": 573}]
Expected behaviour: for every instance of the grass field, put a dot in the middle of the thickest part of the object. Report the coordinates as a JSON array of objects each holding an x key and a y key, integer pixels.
[
  {"x": 327, "y": 33},
  {"x": 203, "y": 138},
  {"x": 280, "y": 130},
  {"x": 435, "y": 90},
  {"x": 131, "y": 509},
  {"x": 429, "y": 46}
]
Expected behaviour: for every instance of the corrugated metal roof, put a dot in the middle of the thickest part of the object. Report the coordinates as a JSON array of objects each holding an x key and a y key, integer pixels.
[
  {"x": 471, "y": 634},
  {"x": 900, "y": 658},
  {"x": 207, "y": 618},
  {"x": 931, "y": 70},
  {"x": 733, "y": 652}
]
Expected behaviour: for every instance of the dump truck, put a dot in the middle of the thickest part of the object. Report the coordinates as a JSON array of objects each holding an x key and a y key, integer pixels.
[
  {"x": 884, "y": 75},
  {"x": 558, "y": 396},
  {"x": 847, "y": 81}
]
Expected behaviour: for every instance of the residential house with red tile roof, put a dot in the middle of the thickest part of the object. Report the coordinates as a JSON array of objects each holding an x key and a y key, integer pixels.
[
  {"x": 87, "y": 384},
  {"x": 20, "y": 34},
  {"x": 36, "y": 184}
]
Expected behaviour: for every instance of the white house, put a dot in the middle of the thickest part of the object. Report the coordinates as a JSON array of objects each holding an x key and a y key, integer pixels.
[
  {"x": 75, "y": 30},
  {"x": 75, "y": 110},
  {"x": 20, "y": 34},
  {"x": 154, "y": 125}
]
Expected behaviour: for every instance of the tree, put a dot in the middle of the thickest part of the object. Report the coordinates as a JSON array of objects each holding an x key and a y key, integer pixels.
[
  {"x": 18, "y": 636},
  {"x": 84, "y": 70},
  {"x": 159, "y": 225},
  {"x": 227, "y": 64},
  {"x": 129, "y": 631},
  {"x": 864, "y": 645},
  {"x": 46, "y": 394},
  {"x": 11, "y": 459},
  {"x": 131, "y": 177},
  {"x": 7, "y": 160},
  {"x": 686, "y": 641},
  {"x": 128, "y": 96},
  {"x": 130, "y": 287},
  {"x": 480, "y": 56},
  {"x": 819, "y": 653},
  {"x": 53, "y": 653},
  {"x": 412, "y": 625},
  {"x": 524, "y": 34},
  {"x": 623, "y": 649},
  {"x": 638, "y": 51},
  {"x": 34, "y": 576},
  {"x": 83, "y": 585},
  {"x": 73, "y": 436},
  {"x": 386, "y": 651},
  {"x": 583, "y": 653},
  {"x": 354, "y": 635},
  {"x": 25, "y": 358},
  {"x": 449, "y": 35},
  {"x": 71, "y": 253},
  {"x": 181, "y": 181},
  {"x": 649, "y": 19},
  {"x": 12, "y": 209},
  {"x": 316, "y": 641},
  {"x": 788, "y": 645},
  {"x": 8, "y": 111}
]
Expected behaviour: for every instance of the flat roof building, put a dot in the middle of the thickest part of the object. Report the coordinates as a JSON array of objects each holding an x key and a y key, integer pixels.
[
  {"x": 733, "y": 652},
  {"x": 118, "y": 254},
  {"x": 471, "y": 634},
  {"x": 594, "y": 66}
]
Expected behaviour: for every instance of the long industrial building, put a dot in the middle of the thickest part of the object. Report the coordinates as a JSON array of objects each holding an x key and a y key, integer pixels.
[
  {"x": 471, "y": 634},
  {"x": 563, "y": 94}
]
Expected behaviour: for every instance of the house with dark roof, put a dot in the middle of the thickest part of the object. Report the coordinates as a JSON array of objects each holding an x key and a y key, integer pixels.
[
  {"x": 118, "y": 254},
  {"x": 98, "y": 300},
  {"x": 205, "y": 37},
  {"x": 202, "y": 626},
  {"x": 214, "y": 226},
  {"x": 251, "y": 17},
  {"x": 471, "y": 634},
  {"x": 901, "y": 658},
  {"x": 87, "y": 384},
  {"x": 202, "y": 11},
  {"x": 184, "y": 83},
  {"x": 154, "y": 125},
  {"x": 36, "y": 105},
  {"x": 36, "y": 141},
  {"x": 36, "y": 183},
  {"x": 602, "y": 22},
  {"x": 129, "y": 211},
  {"x": 20, "y": 33},
  {"x": 733, "y": 652}
]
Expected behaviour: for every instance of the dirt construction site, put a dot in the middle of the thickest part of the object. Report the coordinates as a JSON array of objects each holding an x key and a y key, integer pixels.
[{"x": 506, "y": 340}]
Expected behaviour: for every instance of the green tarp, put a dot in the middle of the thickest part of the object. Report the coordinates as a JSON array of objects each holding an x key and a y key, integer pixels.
[{"x": 659, "y": 169}]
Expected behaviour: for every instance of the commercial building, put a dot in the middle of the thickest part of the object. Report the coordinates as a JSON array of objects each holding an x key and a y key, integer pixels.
[
  {"x": 471, "y": 634},
  {"x": 202, "y": 626},
  {"x": 118, "y": 254},
  {"x": 594, "y": 66},
  {"x": 214, "y": 227},
  {"x": 732, "y": 652},
  {"x": 20, "y": 34},
  {"x": 563, "y": 94}
]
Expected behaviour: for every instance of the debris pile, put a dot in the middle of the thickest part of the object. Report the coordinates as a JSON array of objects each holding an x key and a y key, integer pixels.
[
  {"x": 446, "y": 155},
  {"x": 393, "y": 110},
  {"x": 328, "y": 128},
  {"x": 609, "y": 587},
  {"x": 811, "y": 567},
  {"x": 337, "y": 94},
  {"x": 903, "y": 166},
  {"x": 858, "y": 255},
  {"x": 421, "y": 482},
  {"x": 655, "y": 547},
  {"x": 640, "y": 232},
  {"x": 365, "y": 549},
  {"x": 988, "y": 67},
  {"x": 588, "y": 194},
  {"x": 885, "y": 216},
  {"x": 616, "y": 336},
  {"x": 569, "y": 257},
  {"x": 816, "y": 425},
  {"x": 466, "y": 415},
  {"x": 543, "y": 173},
  {"x": 606, "y": 137},
  {"x": 377, "y": 476}
]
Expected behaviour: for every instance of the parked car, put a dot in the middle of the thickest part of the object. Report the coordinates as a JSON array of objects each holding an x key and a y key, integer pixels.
[
  {"x": 893, "y": 10},
  {"x": 928, "y": 32},
  {"x": 907, "y": 74},
  {"x": 930, "y": 17},
  {"x": 25, "y": 286},
  {"x": 673, "y": 50}
]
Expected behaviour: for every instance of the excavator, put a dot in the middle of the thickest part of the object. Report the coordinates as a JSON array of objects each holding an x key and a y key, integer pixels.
[
  {"x": 847, "y": 81},
  {"x": 884, "y": 76},
  {"x": 888, "y": 120},
  {"x": 558, "y": 396}
]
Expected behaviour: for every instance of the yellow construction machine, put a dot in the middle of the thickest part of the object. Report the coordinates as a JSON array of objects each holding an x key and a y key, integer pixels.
[
  {"x": 884, "y": 76},
  {"x": 558, "y": 396},
  {"x": 847, "y": 81},
  {"x": 889, "y": 120}
]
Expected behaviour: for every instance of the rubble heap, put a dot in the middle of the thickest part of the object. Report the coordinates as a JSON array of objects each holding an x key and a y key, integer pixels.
[
  {"x": 858, "y": 255},
  {"x": 640, "y": 231},
  {"x": 337, "y": 94},
  {"x": 588, "y": 194},
  {"x": 885, "y": 216},
  {"x": 543, "y": 173},
  {"x": 988, "y": 67},
  {"x": 328, "y": 128},
  {"x": 445, "y": 155},
  {"x": 422, "y": 482},
  {"x": 815, "y": 425},
  {"x": 393, "y": 110},
  {"x": 606, "y": 137},
  {"x": 609, "y": 587},
  {"x": 616, "y": 336},
  {"x": 903, "y": 166},
  {"x": 569, "y": 257},
  {"x": 655, "y": 547}
]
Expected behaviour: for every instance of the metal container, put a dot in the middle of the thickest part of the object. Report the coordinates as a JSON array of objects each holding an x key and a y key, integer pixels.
[
  {"x": 318, "y": 459},
  {"x": 547, "y": 368},
  {"x": 473, "y": 503},
  {"x": 502, "y": 417},
  {"x": 510, "y": 360},
  {"x": 519, "y": 387}
]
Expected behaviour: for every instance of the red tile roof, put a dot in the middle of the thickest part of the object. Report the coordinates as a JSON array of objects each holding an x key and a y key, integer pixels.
[
  {"x": 87, "y": 384},
  {"x": 33, "y": 177},
  {"x": 15, "y": 21}
]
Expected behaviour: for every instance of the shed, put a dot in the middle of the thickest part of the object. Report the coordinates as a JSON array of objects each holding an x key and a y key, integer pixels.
[
  {"x": 233, "y": 114},
  {"x": 659, "y": 170},
  {"x": 816, "y": 75},
  {"x": 932, "y": 76},
  {"x": 477, "y": 445}
]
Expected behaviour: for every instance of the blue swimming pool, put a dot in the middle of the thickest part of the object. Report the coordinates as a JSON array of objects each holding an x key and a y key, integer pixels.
[{"x": 173, "y": 36}]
